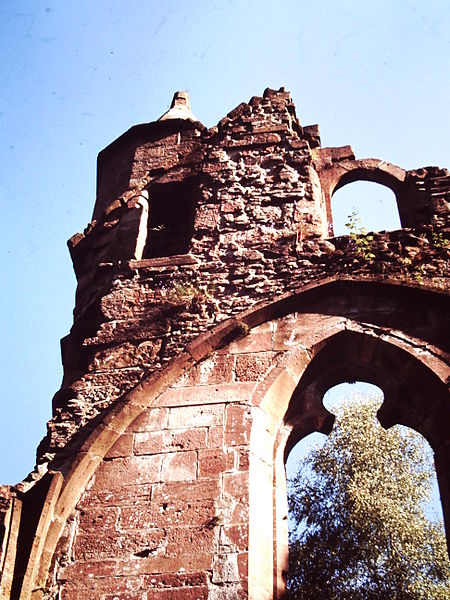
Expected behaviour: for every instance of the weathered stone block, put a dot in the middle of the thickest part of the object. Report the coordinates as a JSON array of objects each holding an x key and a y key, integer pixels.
[
  {"x": 127, "y": 596},
  {"x": 218, "y": 369},
  {"x": 215, "y": 437},
  {"x": 199, "y": 513},
  {"x": 112, "y": 544},
  {"x": 206, "y": 394},
  {"x": 137, "y": 469},
  {"x": 252, "y": 367},
  {"x": 206, "y": 489},
  {"x": 225, "y": 569},
  {"x": 194, "y": 593},
  {"x": 256, "y": 340},
  {"x": 190, "y": 540},
  {"x": 235, "y": 536},
  {"x": 123, "y": 447},
  {"x": 140, "y": 517},
  {"x": 237, "y": 427},
  {"x": 181, "y": 466},
  {"x": 196, "y": 416},
  {"x": 150, "y": 442},
  {"x": 236, "y": 485},
  {"x": 126, "y": 495},
  {"x": 164, "y": 564},
  {"x": 152, "y": 419},
  {"x": 89, "y": 569},
  {"x": 189, "y": 439},
  {"x": 214, "y": 462},
  {"x": 177, "y": 580},
  {"x": 95, "y": 519}
]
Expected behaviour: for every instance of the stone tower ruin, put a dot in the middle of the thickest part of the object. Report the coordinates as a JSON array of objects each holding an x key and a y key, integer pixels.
[{"x": 214, "y": 308}]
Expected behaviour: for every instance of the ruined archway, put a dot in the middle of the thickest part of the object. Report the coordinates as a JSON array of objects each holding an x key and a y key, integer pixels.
[
  {"x": 345, "y": 356},
  {"x": 344, "y": 326},
  {"x": 335, "y": 176},
  {"x": 323, "y": 531},
  {"x": 185, "y": 373},
  {"x": 371, "y": 207}
]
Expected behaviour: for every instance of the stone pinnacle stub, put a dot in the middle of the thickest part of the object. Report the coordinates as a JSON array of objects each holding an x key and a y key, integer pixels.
[{"x": 180, "y": 108}]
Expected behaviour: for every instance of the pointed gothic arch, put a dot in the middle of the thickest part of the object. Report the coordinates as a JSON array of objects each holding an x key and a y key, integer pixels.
[
  {"x": 295, "y": 412},
  {"x": 342, "y": 324}
]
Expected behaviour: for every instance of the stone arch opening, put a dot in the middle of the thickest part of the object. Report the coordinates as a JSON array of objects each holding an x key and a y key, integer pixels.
[
  {"x": 333, "y": 401},
  {"x": 311, "y": 321},
  {"x": 341, "y": 173},
  {"x": 376, "y": 206},
  {"x": 413, "y": 396},
  {"x": 369, "y": 169}
]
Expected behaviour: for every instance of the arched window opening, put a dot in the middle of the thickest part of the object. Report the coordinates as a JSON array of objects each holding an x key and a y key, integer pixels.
[
  {"x": 170, "y": 219},
  {"x": 295, "y": 460},
  {"x": 332, "y": 399},
  {"x": 348, "y": 495},
  {"x": 375, "y": 204}
]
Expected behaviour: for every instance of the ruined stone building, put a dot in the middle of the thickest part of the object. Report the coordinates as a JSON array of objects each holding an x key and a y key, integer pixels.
[{"x": 214, "y": 308}]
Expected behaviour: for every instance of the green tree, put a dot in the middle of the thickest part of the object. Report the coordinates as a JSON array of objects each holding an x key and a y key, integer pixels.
[{"x": 358, "y": 504}]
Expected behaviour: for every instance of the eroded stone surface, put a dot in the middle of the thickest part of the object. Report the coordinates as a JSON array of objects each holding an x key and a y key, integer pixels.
[
  {"x": 259, "y": 229},
  {"x": 194, "y": 228}
]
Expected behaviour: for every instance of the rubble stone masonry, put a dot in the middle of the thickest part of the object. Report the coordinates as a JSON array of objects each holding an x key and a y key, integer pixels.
[{"x": 214, "y": 309}]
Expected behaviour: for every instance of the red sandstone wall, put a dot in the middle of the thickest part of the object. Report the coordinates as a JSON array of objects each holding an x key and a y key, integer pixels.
[
  {"x": 260, "y": 230},
  {"x": 166, "y": 515},
  {"x": 169, "y": 511}
]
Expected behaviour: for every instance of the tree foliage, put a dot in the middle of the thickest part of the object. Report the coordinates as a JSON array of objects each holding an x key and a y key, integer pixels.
[{"x": 361, "y": 531}]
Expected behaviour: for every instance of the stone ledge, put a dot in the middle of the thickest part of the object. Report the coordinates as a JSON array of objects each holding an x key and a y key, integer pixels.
[{"x": 163, "y": 261}]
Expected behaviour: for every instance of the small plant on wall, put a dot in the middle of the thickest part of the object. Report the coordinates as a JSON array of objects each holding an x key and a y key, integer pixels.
[
  {"x": 362, "y": 242},
  {"x": 199, "y": 298},
  {"x": 440, "y": 242}
]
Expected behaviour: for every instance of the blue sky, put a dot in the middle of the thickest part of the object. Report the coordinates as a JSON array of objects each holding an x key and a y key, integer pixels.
[{"x": 75, "y": 75}]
